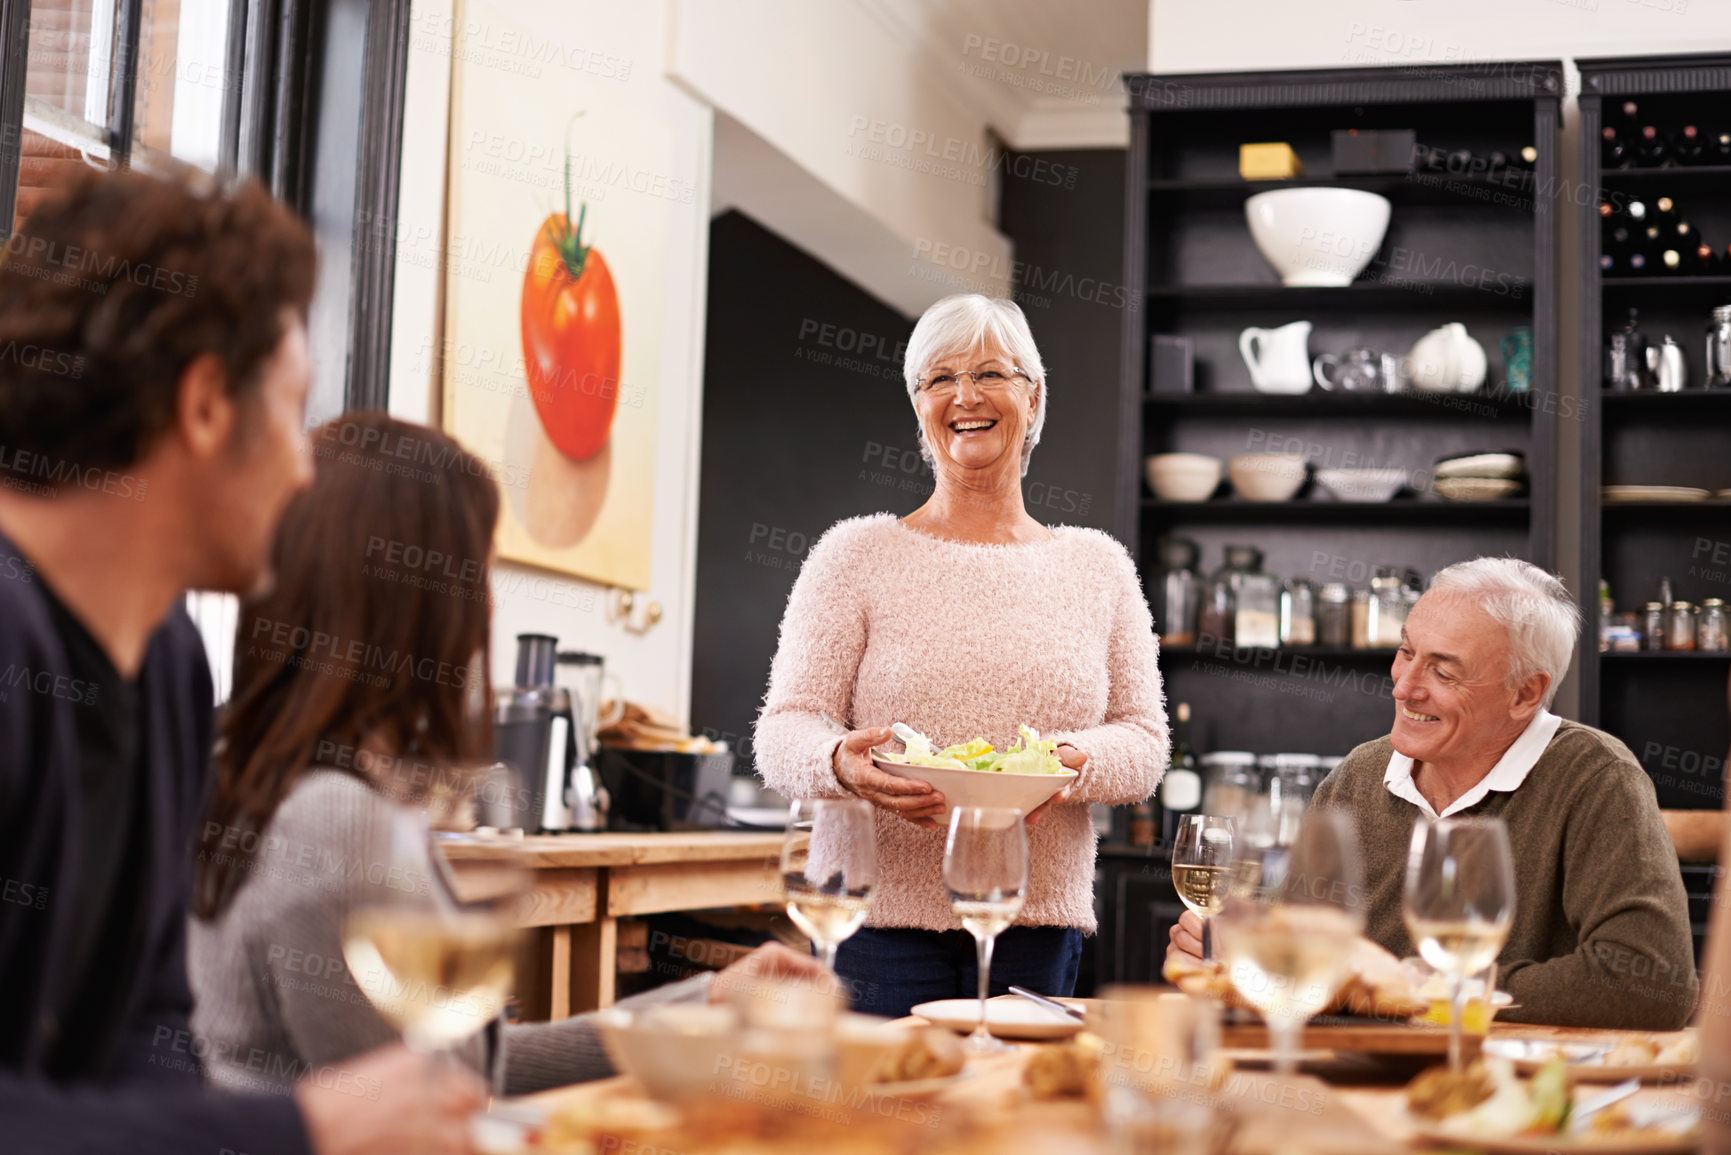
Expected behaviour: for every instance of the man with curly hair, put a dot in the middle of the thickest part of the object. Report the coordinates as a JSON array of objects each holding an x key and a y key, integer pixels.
[{"x": 153, "y": 384}]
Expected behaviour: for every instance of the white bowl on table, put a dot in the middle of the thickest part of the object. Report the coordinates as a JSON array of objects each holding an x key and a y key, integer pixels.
[
  {"x": 987, "y": 788},
  {"x": 1183, "y": 476},
  {"x": 1317, "y": 236},
  {"x": 676, "y": 1051},
  {"x": 1267, "y": 476}
]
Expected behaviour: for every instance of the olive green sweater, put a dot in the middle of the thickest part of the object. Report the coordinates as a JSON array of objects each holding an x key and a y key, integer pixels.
[{"x": 1601, "y": 931}]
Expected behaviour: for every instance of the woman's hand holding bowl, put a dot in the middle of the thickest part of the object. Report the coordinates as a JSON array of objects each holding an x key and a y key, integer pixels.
[
  {"x": 1073, "y": 759},
  {"x": 906, "y": 798}
]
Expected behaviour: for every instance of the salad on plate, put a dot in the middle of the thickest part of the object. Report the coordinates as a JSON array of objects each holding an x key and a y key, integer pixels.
[{"x": 1029, "y": 754}]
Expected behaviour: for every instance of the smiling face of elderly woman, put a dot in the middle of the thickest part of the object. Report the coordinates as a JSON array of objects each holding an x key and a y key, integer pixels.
[
  {"x": 978, "y": 386},
  {"x": 975, "y": 408}
]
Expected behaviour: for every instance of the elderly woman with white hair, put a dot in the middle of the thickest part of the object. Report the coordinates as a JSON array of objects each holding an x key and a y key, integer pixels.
[
  {"x": 1601, "y": 929},
  {"x": 967, "y": 618}
]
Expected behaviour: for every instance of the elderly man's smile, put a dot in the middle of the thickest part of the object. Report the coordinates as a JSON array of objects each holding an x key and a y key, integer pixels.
[{"x": 1413, "y": 716}]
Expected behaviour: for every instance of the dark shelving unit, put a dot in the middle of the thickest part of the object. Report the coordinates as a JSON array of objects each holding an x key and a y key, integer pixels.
[
  {"x": 1187, "y": 243},
  {"x": 1668, "y": 707}
]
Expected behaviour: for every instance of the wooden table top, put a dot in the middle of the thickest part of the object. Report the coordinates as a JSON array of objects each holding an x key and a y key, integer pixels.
[
  {"x": 548, "y": 851},
  {"x": 990, "y": 1111}
]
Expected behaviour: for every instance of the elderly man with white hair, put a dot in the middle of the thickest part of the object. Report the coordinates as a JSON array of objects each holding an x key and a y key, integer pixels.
[
  {"x": 1601, "y": 930},
  {"x": 966, "y": 618}
]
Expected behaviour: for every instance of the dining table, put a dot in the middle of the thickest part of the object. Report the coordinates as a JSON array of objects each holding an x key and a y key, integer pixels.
[{"x": 1340, "y": 1103}]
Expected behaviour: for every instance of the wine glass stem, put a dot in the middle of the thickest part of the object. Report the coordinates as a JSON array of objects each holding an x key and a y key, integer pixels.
[
  {"x": 983, "y": 947},
  {"x": 1455, "y": 1010},
  {"x": 1207, "y": 941},
  {"x": 1285, "y": 1031},
  {"x": 829, "y": 949}
]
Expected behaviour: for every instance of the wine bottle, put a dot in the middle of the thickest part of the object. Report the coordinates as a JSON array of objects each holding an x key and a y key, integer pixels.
[
  {"x": 1181, "y": 787},
  {"x": 1671, "y": 262},
  {"x": 1651, "y": 151},
  {"x": 1719, "y": 149},
  {"x": 1529, "y": 155},
  {"x": 1689, "y": 146},
  {"x": 1613, "y": 152},
  {"x": 1637, "y": 213},
  {"x": 1706, "y": 264},
  {"x": 1664, "y": 215},
  {"x": 1615, "y": 252}
]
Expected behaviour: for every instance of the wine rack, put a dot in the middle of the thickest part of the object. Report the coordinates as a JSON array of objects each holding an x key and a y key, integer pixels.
[{"x": 1670, "y": 709}]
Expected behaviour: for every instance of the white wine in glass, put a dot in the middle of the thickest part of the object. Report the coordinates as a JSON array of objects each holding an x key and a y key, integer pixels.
[
  {"x": 986, "y": 872},
  {"x": 1459, "y": 902},
  {"x": 434, "y": 944},
  {"x": 1202, "y": 867},
  {"x": 829, "y": 869},
  {"x": 1290, "y": 923}
]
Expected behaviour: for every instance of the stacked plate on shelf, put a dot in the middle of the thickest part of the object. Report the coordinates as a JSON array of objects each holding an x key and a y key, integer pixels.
[
  {"x": 1658, "y": 493},
  {"x": 1489, "y": 476}
]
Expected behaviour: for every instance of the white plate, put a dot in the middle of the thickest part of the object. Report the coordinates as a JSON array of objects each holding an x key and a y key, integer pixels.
[
  {"x": 1475, "y": 488},
  {"x": 1506, "y": 465},
  {"x": 1582, "y": 1059},
  {"x": 1665, "y": 1129},
  {"x": 968, "y": 788},
  {"x": 1654, "y": 493},
  {"x": 1007, "y": 1016}
]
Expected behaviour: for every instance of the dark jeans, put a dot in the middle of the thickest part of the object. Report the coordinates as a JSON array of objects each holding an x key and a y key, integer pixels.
[{"x": 887, "y": 970}]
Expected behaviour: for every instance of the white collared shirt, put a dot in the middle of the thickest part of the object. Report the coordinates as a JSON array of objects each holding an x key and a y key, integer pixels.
[{"x": 1506, "y": 776}]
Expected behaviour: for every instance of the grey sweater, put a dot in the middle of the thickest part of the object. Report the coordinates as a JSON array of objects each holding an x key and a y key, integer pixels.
[
  {"x": 274, "y": 998},
  {"x": 1601, "y": 931}
]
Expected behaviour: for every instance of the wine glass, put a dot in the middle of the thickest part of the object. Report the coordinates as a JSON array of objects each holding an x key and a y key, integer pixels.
[
  {"x": 986, "y": 871},
  {"x": 1202, "y": 868},
  {"x": 1459, "y": 902},
  {"x": 829, "y": 867},
  {"x": 433, "y": 942},
  {"x": 1290, "y": 921}
]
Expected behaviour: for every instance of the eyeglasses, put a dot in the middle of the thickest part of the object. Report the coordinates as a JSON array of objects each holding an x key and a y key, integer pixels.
[{"x": 991, "y": 380}]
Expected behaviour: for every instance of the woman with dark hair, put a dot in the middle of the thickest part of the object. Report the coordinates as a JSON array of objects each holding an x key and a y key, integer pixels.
[{"x": 358, "y": 676}]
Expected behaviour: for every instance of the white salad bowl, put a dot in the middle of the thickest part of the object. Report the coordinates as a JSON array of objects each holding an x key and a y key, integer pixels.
[
  {"x": 1317, "y": 236},
  {"x": 969, "y": 788},
  {"x": 1362, "y": 484}
]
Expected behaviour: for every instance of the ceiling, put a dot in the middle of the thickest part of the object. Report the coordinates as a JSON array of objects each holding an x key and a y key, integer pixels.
[{"x": 1042, "y": 73}]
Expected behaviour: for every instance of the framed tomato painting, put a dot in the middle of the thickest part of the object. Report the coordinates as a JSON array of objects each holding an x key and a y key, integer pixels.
[{"x": 563, "y": 189}]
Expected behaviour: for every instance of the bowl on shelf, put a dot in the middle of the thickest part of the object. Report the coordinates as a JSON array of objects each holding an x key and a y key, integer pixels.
[
  {"x": 1183, "y": 476},
  {"x": 1267, "y": 476},
  {"x": 1362, "y": 484},
  {"x": 1491, "y": 463},
  {"x": 1476, "y": 488},
  {"x": 1317, "y": 236}
]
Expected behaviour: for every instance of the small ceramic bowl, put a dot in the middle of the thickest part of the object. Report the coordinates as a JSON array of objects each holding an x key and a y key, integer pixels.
[
  {"x": 1267, "y": 476},
  {"x": 1183, "y": 476}
]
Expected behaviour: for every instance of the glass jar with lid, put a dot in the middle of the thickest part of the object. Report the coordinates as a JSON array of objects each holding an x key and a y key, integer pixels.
[
  {"x": 1217, "y": 620},
  {"x": 1256, "y": 613},
  {"x": 1680, "y": 627},
  {"x": 1387, "y": 608},
  {"x": 1654, "y": 626},
  {"x": 1293, "y": 778},
  {"x": 1298, "y": 613},
  {"x": 1229, "y": 781},
  {"x": 1712, "y": 632},
  {"x": 1334, "y": 615},
  {"x": 1361, "y": 620},
  {"x": 1175, "y": 591}
]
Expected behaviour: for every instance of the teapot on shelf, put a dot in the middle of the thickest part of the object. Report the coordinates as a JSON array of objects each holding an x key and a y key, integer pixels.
[
  {"x": 1278, "y": 359},
  {"x": 1447, "y": 360}
]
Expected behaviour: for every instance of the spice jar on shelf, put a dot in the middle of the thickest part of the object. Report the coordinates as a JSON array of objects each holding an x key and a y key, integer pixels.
[
  {"x": 1387, "y": 608},
  {"x": 1256, "y": 620},
  {"x": 1680, "y": 629},
  {"x": 1334, "y": 615},
  {"x": 1298, "y": 613},
  {"x": 1711, "y": 631},
  {"x": 1361, "y": 620},
  {"x": 1175, "y": 591},
  {"x": 1217, "y": 621},
  {"x": 1654, "y": 626}
]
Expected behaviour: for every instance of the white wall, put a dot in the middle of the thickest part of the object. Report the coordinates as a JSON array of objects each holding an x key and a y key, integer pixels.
[
  {"x": 1233, "y": 35},
  {"x": 864, "y": 155},
  {"x": 654, "y": 665}
]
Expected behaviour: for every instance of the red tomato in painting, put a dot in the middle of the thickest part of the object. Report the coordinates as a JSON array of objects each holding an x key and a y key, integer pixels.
[{"x": 571, "y": 339}]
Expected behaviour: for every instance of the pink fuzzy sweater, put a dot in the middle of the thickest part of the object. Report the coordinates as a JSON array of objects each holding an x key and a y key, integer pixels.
[{"x": 888, "y": 624}]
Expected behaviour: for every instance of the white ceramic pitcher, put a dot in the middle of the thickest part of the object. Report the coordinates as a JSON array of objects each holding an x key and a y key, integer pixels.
[{"x": 1279, "y": 359}]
